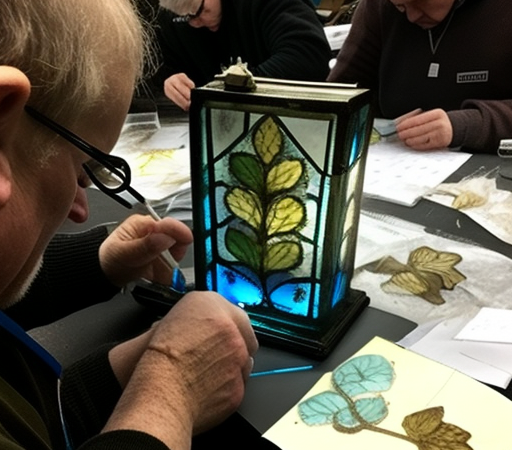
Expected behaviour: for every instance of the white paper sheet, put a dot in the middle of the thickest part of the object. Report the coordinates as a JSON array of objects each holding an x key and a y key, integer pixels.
[
  {"x": 400, "y": 175},
  {"x": 440, "y": 346},
  {"x": 489, "y": 325}
]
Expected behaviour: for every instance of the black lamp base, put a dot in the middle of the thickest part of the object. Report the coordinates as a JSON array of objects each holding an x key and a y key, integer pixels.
[{"x": 316, "y": 343}]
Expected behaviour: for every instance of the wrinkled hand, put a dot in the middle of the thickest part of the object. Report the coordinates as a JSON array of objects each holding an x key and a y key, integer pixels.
[
  {"x": 133, "y": 249},
  {"x": 192, "y": 375},
  {"x": 177, "y": 88},
  {"x": 430, "y": 130}
]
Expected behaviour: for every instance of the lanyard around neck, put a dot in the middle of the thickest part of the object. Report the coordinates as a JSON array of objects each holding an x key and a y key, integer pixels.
[{"x": 21, "y": 335}]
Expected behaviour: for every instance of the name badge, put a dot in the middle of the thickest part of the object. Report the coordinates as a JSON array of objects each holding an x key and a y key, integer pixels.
[{"x": 473, "y": 77}]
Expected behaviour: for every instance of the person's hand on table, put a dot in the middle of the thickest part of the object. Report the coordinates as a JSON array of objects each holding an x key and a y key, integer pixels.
[
  {"x": 177, "y": 88},
  {"x": 191, "y": 375},
  {"x": 429, "y": 130},
  {"x": 133, "y": 249}
]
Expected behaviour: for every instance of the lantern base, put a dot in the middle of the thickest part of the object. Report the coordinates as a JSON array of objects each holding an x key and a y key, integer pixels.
[{"x": 315, "y": 342}]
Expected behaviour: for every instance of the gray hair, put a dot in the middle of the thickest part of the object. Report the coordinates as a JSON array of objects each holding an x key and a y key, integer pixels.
[
  {"x": 181, "y": 7},
  {"x": 69, "y": 48}
]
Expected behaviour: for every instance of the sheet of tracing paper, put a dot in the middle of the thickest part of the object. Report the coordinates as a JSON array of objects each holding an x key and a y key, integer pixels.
[{"x": 380, "y": 236}]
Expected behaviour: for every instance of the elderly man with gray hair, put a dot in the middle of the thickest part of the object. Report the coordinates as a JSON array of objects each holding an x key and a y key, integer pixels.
[{"x": 68, "y": 69}]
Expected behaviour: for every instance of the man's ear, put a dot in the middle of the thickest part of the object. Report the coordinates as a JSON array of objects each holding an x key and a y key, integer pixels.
[{"x": 14, "y": 92}]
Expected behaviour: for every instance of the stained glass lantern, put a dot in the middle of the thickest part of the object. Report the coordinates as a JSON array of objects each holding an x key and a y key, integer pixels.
[{"x": 277, "y": 177}]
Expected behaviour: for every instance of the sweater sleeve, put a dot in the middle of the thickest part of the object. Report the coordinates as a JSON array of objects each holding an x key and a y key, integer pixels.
[
  {"x": 70, "y": 279},
  {"x": 293, "y": 36},
  {"x": 89, "y": 393},
  {"x": 124, "y": 440},
  {"x": 480, "y": 125},
  {"x": 358, "y": 59}
]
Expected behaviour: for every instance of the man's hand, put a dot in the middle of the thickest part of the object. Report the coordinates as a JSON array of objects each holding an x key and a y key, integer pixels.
[
  {"x": 177, "y": 88},
  {"x": 133, "y": 249},
  {"x": 430, "y": 130},
  {"x": 192, "y": 374}
]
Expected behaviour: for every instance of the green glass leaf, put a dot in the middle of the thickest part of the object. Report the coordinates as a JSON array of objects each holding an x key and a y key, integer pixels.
[
  {"x": 283, "y": 256},
  {"x": 372, "y": 409},
  {"x": 321, "y": 408},
  {"x": 365, "y": 373},
  {"x": 285, "y": 215},
  {"x": 243, "y": 248},
  {"x": 247, "y": 170},
  {"x": 246, "y": 205},
  {"x": 267, "y": 140}
]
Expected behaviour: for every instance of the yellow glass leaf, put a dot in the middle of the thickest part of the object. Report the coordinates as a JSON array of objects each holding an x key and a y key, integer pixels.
[
  {"x": 268, "y": 140},
  {"x": 284, "y": 176},
  {"x": 283, "y": 256},
  {"x": 285, "y": 215},
  {"x": 246, "y": 205}
]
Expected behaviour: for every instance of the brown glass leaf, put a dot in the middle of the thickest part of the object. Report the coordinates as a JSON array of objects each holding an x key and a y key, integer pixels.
[
  {"x": 429, "y": 431},
  {"x": 423, "y": 423},
  {"x": 426, "y": 259},
  {"x": 426, "y": 273}
]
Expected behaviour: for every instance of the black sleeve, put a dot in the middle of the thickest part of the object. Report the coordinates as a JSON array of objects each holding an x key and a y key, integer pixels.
[
  {"x": 89, "y": 393},
  {"x": 70, "y": 279},
  {"x": 124, "y": 440},
  {"x": 293, "y": 36}
]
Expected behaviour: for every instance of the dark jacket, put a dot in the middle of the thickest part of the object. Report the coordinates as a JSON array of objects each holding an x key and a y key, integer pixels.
[
  {"x": 29, "y": 407},
  {"x": 276, "y": 38}
]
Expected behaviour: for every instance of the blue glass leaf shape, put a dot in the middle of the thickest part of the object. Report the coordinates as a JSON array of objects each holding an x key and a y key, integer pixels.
[
  {"x": 321, "y": 408},
  {"x": 365, "y": 373},
  {"x": 372, "y": 409}
]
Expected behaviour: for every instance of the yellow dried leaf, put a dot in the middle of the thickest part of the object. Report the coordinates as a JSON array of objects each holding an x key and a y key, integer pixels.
[
  {"x": 468, "y": 199},
  {"x": 426, "y": 259}
]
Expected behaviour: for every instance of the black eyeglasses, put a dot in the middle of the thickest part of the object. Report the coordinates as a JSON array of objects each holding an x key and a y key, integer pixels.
[
  {"x": 189, "y": 17},
  {"x": 110, "y": 174}
]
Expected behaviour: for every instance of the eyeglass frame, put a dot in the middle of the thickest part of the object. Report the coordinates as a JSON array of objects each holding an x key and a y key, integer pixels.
[
  {"x": 188, "y": 17},
  {"x": 115, "y": 164}
]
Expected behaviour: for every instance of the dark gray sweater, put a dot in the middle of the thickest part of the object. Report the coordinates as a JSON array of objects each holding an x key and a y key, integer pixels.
[{"x": 390, "y": 55}]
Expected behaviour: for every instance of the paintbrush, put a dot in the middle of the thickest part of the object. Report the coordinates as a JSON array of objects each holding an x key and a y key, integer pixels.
[{"x": 178, "y": 279}]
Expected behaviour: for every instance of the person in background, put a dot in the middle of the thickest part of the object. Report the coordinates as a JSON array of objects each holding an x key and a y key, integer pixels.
[
  {"x": 449, "y": 62},
  {"x": 275, "y": 38},
  {"x": 68, "y": 69}
]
